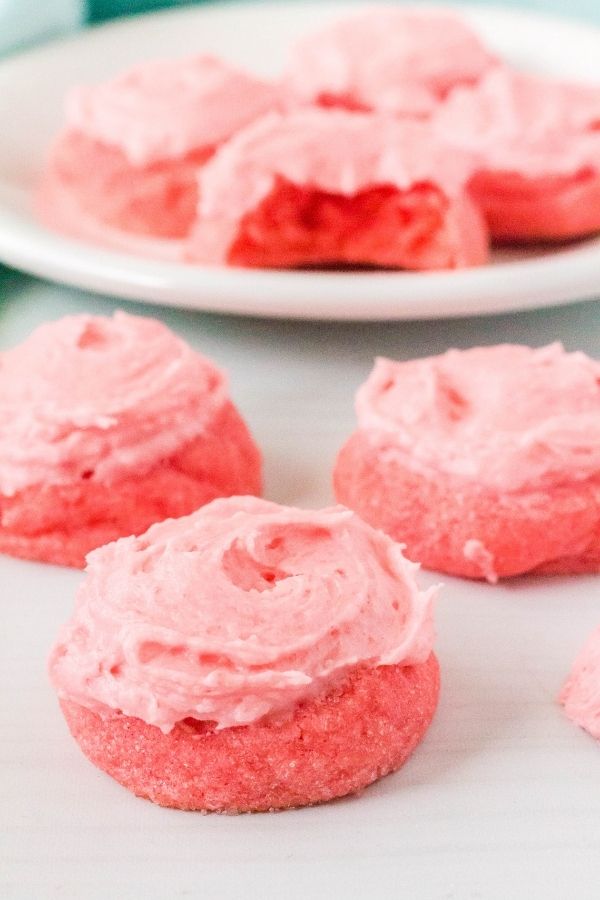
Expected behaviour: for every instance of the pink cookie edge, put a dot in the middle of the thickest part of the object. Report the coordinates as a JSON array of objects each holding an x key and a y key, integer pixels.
[
  {"x": 316, "y": 755},
  {"x": 435, "y": 517},
  {"x": 173, "y": 487}
]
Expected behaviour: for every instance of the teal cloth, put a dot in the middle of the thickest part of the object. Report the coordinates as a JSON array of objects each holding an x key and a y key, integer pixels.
[
  {"x": 99, "y": 10},
  {"x": 24, "y": 22},
  {"x": 105, "y": 9}
]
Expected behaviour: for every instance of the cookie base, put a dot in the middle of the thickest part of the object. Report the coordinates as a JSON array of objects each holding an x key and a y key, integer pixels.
[
  {"x": 332, "y": 745},
  {"x": 156, "y": 200},
  {"x": 383, "y": 226},
  {"x": 61, "y": 523},
  {"x": 452, "y": 526},
  {"x": 519, "y": 209}
]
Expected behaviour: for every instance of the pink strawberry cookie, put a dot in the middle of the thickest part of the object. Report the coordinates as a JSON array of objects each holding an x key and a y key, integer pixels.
[
  {"x": 484, "y": 463},
  {"x": 320, "y": 187},
  {"x": 106, "y": 426},
  {"x": 132, "y": 147},
  {"x": 538, "y": 143},
  {"x": 398, "y": 60},
  {"x": 249, "y": 657},
  {"x": 581, "y": 694}
]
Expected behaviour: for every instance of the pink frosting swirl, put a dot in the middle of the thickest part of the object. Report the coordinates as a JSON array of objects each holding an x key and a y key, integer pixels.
[
  {"x": 522, "y": 124},
  {"x": 104, "y": 395},
  {"x": 240, "y": 610},
  {"x": 166, "y": 108},
  {"x": 580, "y": 695},
  {"x": 401, "y": 61},
  {"x": 509, "y": 417}
]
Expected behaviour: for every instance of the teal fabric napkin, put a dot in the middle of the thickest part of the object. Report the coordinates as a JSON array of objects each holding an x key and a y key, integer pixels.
[
  {"x": 98, "y": 10},
  {"x": 24, "y": 21},
  {"x": 105, "y": 9}
]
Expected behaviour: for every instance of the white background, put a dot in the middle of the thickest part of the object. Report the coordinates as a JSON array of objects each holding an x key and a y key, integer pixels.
[{"x": 501, "y": 801}]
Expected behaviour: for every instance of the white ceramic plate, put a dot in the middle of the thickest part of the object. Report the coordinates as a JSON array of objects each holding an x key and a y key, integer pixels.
[{"x": 31, "y": 90}]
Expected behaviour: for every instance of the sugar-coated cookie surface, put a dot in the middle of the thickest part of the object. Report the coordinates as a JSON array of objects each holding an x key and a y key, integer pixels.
[
  {"x": 580, "y": 695},
  {"x": 318, "y": 186},
  {"x": 402, "y": 60},
  {"x": 364, "y": 728},
  {"x": 107, "y": 425},
  {"x": 484, "y": 462},
  {"x": 242, "y": 626},
  {"x": 538, "y": 143},
  {"x": 131, "y": 149}
]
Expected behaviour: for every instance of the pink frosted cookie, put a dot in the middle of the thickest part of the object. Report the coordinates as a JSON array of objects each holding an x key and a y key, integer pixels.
[
  {"x": 318, "y": 187},
  {"x": 398, "y": 60},
  {"x": 581, "y": 694},
  {"x": 132, "y": 147},
  {"x": 249, "y": 657},
  {"x": 109, "y": 425},
  {"x": 484, "y": 463},
  {"x": 538, "y": 143}
]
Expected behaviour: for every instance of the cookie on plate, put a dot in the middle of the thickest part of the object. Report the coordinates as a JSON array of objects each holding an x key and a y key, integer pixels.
[
  {"x": 129, "y": 155},
  {"x": 249, "y": 657},
  {"x": 484, "y": 463},
  {"x": 397, "y": 60},
  {"x": 106, "y": 426},
  {"x": 580, "y": 695},
  {"x": 538, "y": 143},
  {"x": 319, "y": 187}
]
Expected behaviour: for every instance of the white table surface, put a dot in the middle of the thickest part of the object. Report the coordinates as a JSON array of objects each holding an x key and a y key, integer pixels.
[{"x": 501, "y": 801}]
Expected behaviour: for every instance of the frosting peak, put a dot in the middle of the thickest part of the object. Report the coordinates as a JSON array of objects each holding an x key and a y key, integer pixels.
[
  {"x": 92, "y": 394},
  {"x": 507, "y": 416},
  {"x": 239, "y": 610}
]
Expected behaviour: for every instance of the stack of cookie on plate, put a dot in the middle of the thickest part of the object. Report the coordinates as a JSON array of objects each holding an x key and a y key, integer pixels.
[{"x": 393, "y": 139}]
